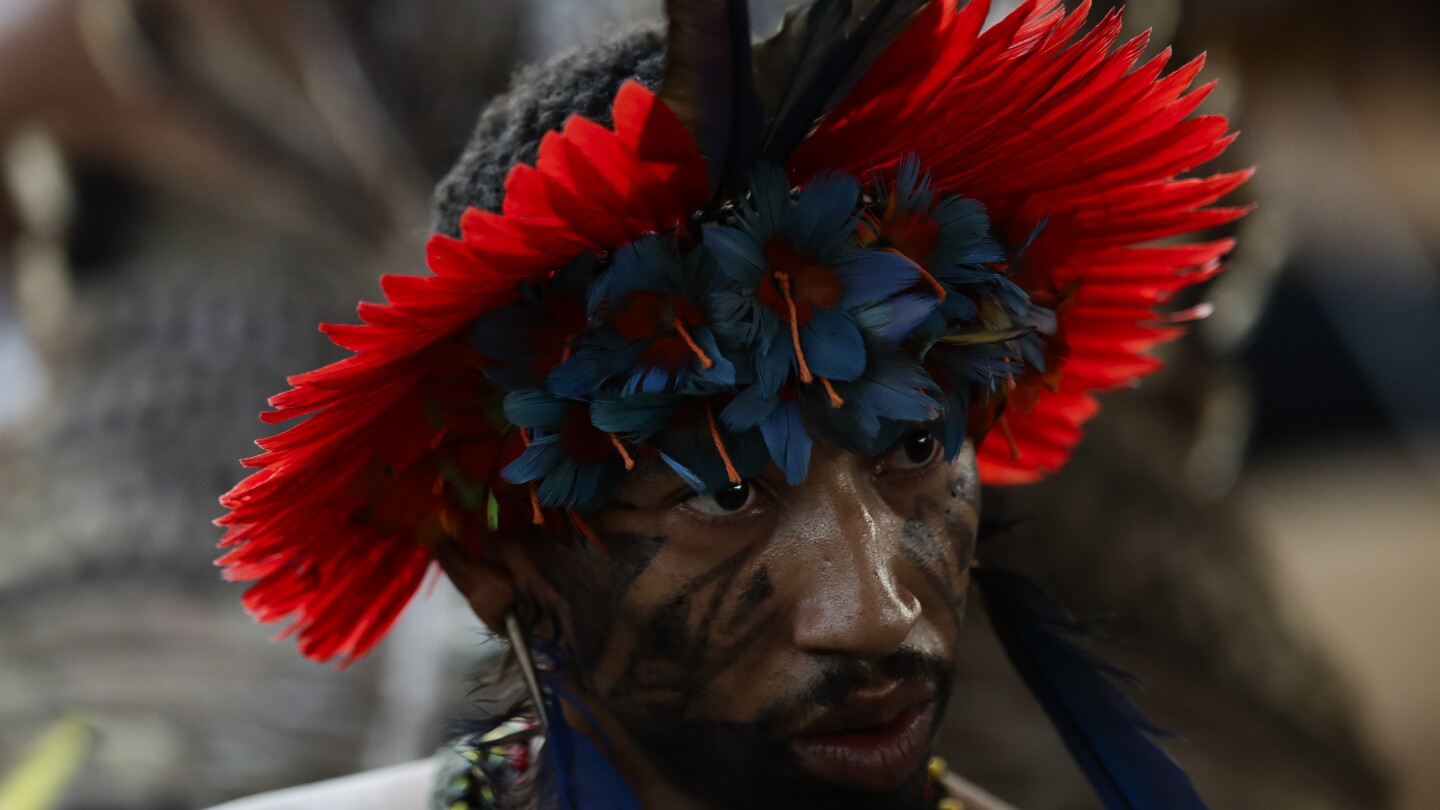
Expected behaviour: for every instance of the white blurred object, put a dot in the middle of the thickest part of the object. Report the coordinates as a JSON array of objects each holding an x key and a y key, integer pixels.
[
  {"x": 22, "y": 377},
  {"x": 418, "y": 665}
]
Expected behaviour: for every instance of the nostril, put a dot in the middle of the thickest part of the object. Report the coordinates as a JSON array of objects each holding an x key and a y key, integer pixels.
[{"x": 912, "y": 604}]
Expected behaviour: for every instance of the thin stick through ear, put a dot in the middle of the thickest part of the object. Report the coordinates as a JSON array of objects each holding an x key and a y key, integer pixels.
[{"x": 521, "y": 648}]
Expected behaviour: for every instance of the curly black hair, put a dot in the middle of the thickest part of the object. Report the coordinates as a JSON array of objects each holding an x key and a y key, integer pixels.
[{"x": 541, "y": 97}]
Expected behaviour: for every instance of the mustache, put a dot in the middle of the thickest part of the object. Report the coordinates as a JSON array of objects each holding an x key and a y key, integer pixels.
[{"x": 842, "y": 677}]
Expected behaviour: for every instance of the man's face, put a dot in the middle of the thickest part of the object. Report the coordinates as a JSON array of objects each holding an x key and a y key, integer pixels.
[{"x": 775, "y": 643}]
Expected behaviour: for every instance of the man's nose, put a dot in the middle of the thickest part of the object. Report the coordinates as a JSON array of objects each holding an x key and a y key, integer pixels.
[{"x": 853, "y": 603}]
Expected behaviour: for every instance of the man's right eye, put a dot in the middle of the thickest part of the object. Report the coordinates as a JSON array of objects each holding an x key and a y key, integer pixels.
[{"x": 725, "y": 501}]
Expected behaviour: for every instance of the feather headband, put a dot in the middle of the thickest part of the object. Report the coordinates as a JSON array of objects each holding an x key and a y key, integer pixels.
[{"x": 877, "y": 217}]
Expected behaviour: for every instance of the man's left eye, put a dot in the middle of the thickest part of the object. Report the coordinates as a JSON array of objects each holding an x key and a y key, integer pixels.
[
  {"x": 916, "y": 450},
  {"x": 725, "y": 501}
]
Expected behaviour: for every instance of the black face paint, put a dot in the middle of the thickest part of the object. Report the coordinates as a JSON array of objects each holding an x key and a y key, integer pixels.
[
  {"x": 699, "y": 633},
  {"x": 693, "y": 637},
  {"x": 940, "y": 556},
  {"x": 757, "y": 592},
  {"x": 593, "y": 584}
]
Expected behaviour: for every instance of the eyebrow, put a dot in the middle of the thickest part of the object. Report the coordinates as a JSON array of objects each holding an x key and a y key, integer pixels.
[{"x": 647, "y": 473}]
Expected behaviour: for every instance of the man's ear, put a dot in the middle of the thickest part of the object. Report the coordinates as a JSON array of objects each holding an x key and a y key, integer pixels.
[{"x": 485, "y": 581}]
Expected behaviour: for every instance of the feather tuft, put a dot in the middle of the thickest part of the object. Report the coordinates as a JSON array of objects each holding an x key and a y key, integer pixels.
[
  {"x": 1042, "y": 121},
  {"x": 1106, "y": 732},
  {"x": 820, "y": 50},
  {"x": 708, "y": 84},
  {"x": 577, "y": 775}
]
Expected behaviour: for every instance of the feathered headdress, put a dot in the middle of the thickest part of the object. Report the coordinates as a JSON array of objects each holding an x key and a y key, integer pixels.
[{"x": 881, "y": 215}]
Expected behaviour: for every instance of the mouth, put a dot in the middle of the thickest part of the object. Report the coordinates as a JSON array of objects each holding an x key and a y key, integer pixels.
[{"x": 869, "y": 743}]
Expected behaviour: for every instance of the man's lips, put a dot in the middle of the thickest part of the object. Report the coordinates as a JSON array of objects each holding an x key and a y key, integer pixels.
[{"x": 870, "y": 742}]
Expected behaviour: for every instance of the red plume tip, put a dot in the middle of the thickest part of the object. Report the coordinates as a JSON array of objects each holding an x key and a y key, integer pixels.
[{"x": 1044, "y": 123}]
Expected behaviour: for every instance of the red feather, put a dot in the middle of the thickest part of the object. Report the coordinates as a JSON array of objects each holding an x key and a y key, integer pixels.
[
  {"x": 336, "y": 526},
  {"x": 1043, "y": 123}
]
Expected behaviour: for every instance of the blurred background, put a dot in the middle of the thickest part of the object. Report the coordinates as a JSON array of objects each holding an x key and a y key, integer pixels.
[{"x": 187, "y": 188}]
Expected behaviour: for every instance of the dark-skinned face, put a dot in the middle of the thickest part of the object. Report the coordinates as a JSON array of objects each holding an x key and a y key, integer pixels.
[{"x": 774, "y": 645}]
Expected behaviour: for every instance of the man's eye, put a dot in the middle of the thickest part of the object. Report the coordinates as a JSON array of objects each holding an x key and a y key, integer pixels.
[
  {"x": 725, "y": 501},
  {"x": 916, "y": 450}
]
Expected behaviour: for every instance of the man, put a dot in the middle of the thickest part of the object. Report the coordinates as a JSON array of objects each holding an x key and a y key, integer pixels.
[
  {"x": 765, "y": 640},
  {"x": 704, "y": 435}
]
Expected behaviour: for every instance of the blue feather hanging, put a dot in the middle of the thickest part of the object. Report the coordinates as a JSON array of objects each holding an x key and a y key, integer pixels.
[
  {"x": 1106, "y": 732},
  {"x": 574, "y": 774}
]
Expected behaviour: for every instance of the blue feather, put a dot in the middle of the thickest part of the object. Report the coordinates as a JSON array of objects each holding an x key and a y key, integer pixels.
[
  {"x": 894, "y": 319},
  {"x": 691, "y": 445},
  {"x": 536, "y": 462},
  {"x": 536, "y": 409},
  {"x": 560, "y": 484},
  {"x": 637, "y": 417},
  {"x": 965, "y": 234},
  {"x": 577, "y": 774},
  {"x": 652, "y": 380},
  {"x": 686, "y": 474},
  {"x": 869, "y": 275},
  {"x": 772, "y": 367},
  {"x": 1106, "y": 732},
  {"x": 581, "y": 374},
  {"x": 824, "y": 217},
  {"x": 738, "y": 254},
  {"x": 788, "y": 442},
  {"x": 833, "y": 345},
  {"x": 721, "y": 374},
  {"x": 749, "y": 408},
  {"x": 957, "y": 307},
  {"x": 901, "y": 390}
]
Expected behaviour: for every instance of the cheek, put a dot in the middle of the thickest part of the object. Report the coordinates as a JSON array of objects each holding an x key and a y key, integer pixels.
[
  {"x": 592, "y": 589},
  {"x": 938, "y": 543},
  {"x": 950, "y": 511}
]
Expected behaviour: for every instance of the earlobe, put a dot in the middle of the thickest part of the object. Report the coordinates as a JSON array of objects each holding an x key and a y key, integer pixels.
[{"x": 485, "y": 582}]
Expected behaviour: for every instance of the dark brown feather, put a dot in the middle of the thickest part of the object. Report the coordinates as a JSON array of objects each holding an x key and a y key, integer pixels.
[
  {"x": 708, "y": 84},
  {"x": 818, "y": 54}
]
